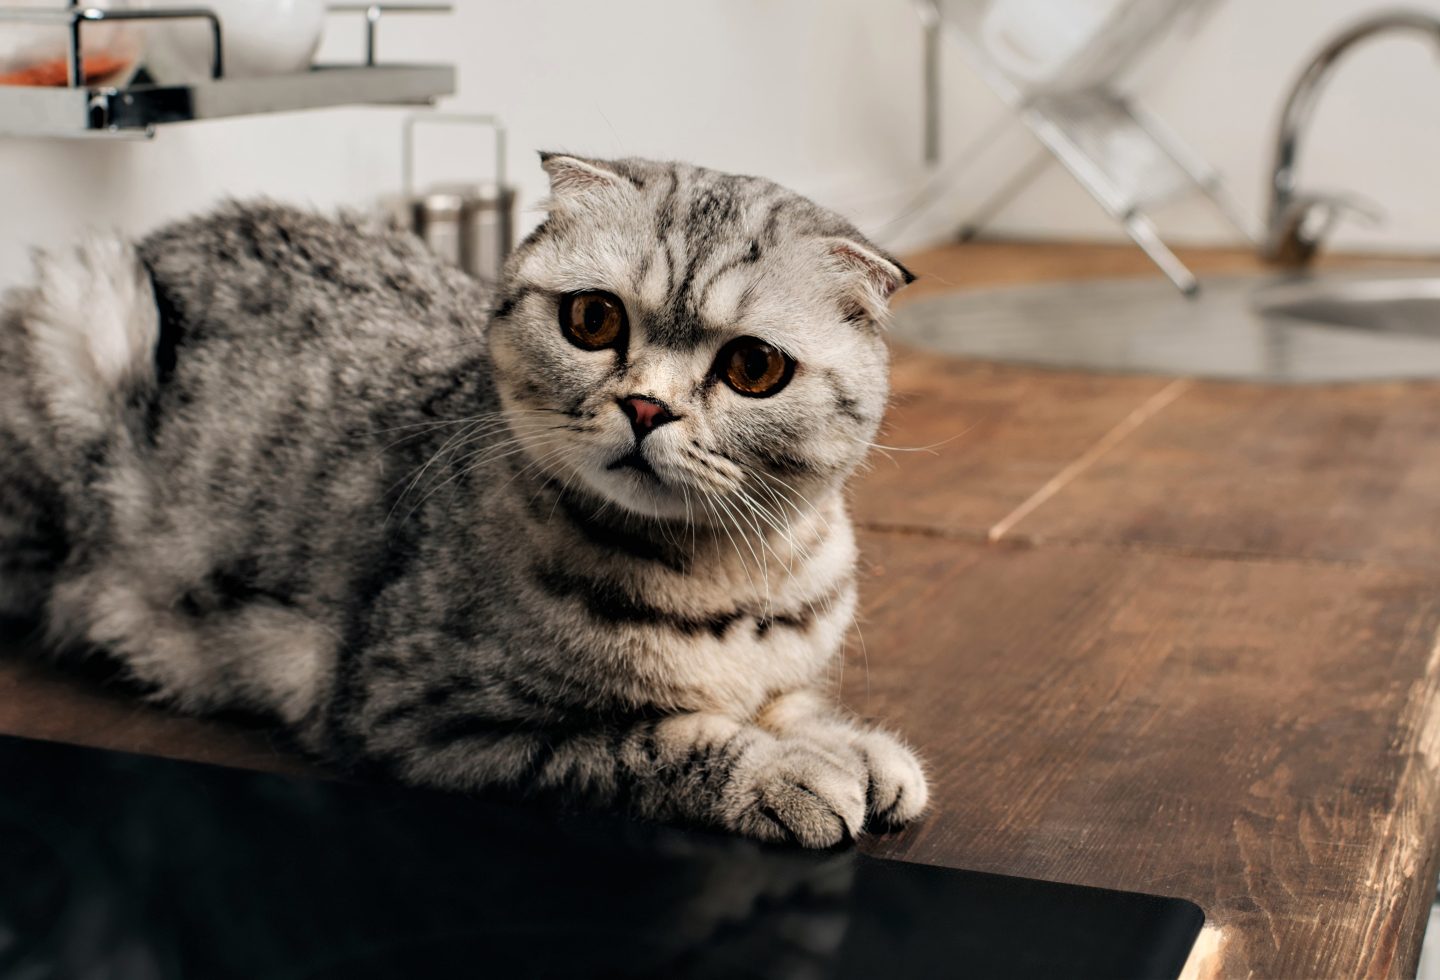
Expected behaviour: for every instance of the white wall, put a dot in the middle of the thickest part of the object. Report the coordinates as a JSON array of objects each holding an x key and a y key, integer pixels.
[{"x": 820, "y": 94}]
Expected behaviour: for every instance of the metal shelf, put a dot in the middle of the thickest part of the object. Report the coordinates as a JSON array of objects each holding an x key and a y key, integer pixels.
[{"x": 135, "y": 111}]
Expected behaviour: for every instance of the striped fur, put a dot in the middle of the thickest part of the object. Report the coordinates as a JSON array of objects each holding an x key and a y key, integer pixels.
[{"x": 281, "y": 463}]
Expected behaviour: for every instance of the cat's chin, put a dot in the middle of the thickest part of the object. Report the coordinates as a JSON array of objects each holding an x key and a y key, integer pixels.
[{"x": 640, "y": 491}]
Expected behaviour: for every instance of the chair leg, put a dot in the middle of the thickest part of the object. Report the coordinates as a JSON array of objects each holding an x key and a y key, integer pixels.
[
  {"x": 1116, "y": 202},
  {"x": 977, "y": 220},
  {"x": 1142, "y": 231}
]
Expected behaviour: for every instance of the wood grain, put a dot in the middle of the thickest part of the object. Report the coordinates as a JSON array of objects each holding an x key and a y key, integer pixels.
[
  {"x": 1336, "y": 472},
  {"x": 1257, "y": 736},
  {"x": 973, "y": 441}
]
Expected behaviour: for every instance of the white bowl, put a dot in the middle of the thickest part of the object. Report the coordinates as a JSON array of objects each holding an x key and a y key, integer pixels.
[{"x": 260, "y": 37}]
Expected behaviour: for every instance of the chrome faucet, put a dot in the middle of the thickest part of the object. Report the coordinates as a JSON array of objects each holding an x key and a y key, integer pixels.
[{"x": 1298, "y": 222}]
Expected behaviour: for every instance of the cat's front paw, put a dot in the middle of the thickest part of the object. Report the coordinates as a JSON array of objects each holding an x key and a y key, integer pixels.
[
  {"x": 897, "y": 791},
  {"x": 803, "y": 793}
]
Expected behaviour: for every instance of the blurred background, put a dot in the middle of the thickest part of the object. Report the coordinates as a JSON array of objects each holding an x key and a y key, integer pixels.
[{"x": 825, "y": 96}]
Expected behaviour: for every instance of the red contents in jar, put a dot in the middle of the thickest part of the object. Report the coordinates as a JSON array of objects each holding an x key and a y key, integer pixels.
[{"x": 92, "y": 66}]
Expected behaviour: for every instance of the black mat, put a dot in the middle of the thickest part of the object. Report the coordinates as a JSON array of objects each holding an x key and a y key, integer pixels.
[{"x": 123, "y": 866}]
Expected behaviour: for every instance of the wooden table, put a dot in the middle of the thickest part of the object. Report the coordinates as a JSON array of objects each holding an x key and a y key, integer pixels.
[{"x": 1150, "y": 633}]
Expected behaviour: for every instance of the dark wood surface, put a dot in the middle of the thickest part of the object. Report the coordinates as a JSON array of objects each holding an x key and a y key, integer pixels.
[
  {"x": 1162, "y": 635},
  {"x": 1258, "y": 736},
  {"x": 1327, "y": 473},
  {"x": 973, "y": 441}
]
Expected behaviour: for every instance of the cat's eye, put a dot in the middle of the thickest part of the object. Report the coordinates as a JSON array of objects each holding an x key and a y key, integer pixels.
[
  {"x": 593, "y": 320},
  {"x": 753, "y": 367}
]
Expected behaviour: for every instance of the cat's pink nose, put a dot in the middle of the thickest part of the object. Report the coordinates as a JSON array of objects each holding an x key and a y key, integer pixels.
[{"x": 645, "y": 413}]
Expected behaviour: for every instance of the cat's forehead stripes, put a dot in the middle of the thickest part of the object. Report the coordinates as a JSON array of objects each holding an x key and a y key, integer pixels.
[
  {"x": 706, "y": 305},
  {"x": 707, "y": 236}
]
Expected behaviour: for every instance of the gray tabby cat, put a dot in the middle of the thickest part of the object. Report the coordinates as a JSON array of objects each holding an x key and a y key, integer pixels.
[{"x": 582, "y": 536}]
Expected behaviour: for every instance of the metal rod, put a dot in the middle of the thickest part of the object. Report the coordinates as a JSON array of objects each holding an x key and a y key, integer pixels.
[
  {"x": 37, "y": 15},
  {"x": 372, "y": 21},
  {"x": 407, "y": 161},
  {"x": 373, "y": 12},
  {"x": 1116, "y": 203},
  {"x": 74, "y": 66},
  {"x": 1039, "y": 161},
  {"x": 1142, "y": 231},
  {"x": 929, "y": 11},
  {"x": 391, "y": 8}
]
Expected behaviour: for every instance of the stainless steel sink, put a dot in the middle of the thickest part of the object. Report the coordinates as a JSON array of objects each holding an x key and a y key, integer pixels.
[
  {"x": 1403, "y": 306},
  {"x": 1326, "y": 327}
]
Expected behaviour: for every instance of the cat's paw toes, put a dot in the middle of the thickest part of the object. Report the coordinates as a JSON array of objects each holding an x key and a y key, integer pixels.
[
  {"x": 897, "y": 791},
  {"x": 806, "y": 794}
]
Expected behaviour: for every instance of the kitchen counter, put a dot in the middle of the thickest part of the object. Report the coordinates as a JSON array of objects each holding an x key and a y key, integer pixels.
[{"x": 1150, "y": 633}]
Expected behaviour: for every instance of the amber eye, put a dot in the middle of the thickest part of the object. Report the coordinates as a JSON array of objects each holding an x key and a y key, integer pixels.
[
  {"x": 753, "y": 367},
  {"x": 593, "y": 320}
]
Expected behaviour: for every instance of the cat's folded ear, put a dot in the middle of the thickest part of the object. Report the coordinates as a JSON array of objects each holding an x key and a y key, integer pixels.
[
  {"x": 869, "y": 278},
  {"x": 574, "y": 182}
]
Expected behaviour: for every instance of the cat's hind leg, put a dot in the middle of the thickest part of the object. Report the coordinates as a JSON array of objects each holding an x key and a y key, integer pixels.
[{"x": 196, "y": 651}]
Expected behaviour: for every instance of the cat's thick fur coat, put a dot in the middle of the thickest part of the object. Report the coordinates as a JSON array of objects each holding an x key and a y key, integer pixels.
[{"x": 276, "y": 462}]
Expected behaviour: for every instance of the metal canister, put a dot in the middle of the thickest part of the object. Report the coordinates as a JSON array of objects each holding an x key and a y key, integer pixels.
[
  {"x": 487, "y": 229},
  {"x": 438, "y": 217},
  {"x": 470, "y": 225}
]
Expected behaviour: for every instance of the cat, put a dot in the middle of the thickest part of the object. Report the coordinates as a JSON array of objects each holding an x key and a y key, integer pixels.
[{"x": 582, "y": 534}]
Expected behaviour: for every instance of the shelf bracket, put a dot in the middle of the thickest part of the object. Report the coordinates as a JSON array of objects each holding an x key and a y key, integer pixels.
[{"x": 374, "y": 11}]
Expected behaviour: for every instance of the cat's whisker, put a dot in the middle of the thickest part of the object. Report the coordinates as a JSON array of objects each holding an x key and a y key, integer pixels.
[
  {"x": 886, "y": 451},
  {"x": 563, "y": 447},
  {"x": 472, "y": 467},
  {"x": 559, "y": 494},
  {"x": 501, "y": 450},
  {"x": 477, "y": 429},
  {"x": 425, "y": 428},
  {"x": 758, "y": 517},
  {"x": 435, "y": 423},
  {"x": 442, "y": 485},
  {"x": 468, "y": 436},
  {"x": 762, "y": 566},
  {"x": 914, "y": 449},
  {"x": 780, "y": 502},
  {"x": 453, "y": 445},
  {"x": 689, "y": 516},
  {"x": 809, "y": 509},
  {"x": 724, "y": 526},
  {"x": 703, "y": 479},
  {"x": 414, "y": 476},
  {"x": 779, "y": 527},
  {"x": 463, "y": 469},
  {"x": 740, "y": 514},
  {"x": 787, "y": 504}
]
